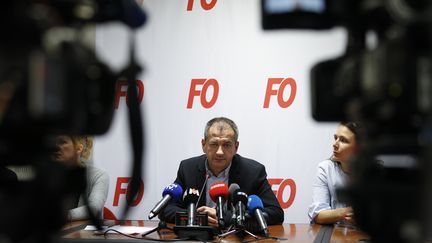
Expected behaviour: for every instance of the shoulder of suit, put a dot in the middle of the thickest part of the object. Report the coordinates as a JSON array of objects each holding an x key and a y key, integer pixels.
[
  {"x": 194, "y": 160},
  {"x": 250, "y": 163}
]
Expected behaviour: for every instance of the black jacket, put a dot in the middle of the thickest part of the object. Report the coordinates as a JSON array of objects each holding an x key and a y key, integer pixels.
[{"x": 248, "y": 174}]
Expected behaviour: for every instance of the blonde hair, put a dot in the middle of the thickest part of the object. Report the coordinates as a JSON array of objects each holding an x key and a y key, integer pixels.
[{"x": 87, "y": 143}]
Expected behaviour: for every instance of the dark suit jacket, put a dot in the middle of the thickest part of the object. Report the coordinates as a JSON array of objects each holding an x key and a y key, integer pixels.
[{"x": 248, "y": 174}]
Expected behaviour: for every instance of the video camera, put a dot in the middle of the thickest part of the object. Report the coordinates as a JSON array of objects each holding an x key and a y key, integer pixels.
[
  {"x": 51, "y": 83},
  {"x": 384, "y": 81}
]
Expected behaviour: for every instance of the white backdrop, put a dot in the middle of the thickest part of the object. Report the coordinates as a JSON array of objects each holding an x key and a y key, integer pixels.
[{"x": 225, "y": 43}]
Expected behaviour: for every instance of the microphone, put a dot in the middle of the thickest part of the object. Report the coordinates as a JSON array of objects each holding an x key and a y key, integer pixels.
[
  {"x": 171, "y": 192},
  {"x": 190, "y": 197},
  {"x": 232, "y": 189},
  {"x": 218, "y": 193},
  {"x": 127, "y": 11},
  {"x": 255, "y": 207},
  {"x": 207, "y": 175},
  {"x": 239, "y": 200}
]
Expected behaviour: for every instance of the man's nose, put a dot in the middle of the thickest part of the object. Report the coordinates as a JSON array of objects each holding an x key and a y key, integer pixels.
[{"x": 219, "y": 151}]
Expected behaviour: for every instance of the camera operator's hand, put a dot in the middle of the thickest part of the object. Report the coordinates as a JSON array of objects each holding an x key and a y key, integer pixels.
[{"x": 211, "y": 212}]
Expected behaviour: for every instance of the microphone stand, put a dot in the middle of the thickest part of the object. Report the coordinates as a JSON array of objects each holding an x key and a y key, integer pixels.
[
  {"x": 240, "y": 231},
  {"x": 161, "y": 225},
  {"x": 237, "y": 228}
]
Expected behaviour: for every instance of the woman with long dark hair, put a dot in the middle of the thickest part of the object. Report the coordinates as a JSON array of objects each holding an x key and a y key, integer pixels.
[{"x": 333, "y": 173}]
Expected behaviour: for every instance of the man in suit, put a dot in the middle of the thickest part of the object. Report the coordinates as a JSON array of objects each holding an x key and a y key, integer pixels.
[{"x": 221, "y": 163}]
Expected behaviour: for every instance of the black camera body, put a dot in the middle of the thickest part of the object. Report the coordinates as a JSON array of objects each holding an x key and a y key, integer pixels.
[
  {"x": 384, "y": 81},
  {"x": 51, "y": 83}
]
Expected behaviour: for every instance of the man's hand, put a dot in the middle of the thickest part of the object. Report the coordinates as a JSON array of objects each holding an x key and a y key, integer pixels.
[{"x": 211, "y": 212}]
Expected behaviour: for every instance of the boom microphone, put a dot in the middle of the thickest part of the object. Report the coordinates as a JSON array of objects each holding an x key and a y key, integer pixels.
[
  {"x": 190, "y": 197},
  {"x": 171, "y": 192},
  {"x": 219, "y": 193},
  {"x": 255, "y": 207}
]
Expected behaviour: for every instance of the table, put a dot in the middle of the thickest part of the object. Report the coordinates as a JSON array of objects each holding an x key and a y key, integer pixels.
[{"x": 301, "y": 233}]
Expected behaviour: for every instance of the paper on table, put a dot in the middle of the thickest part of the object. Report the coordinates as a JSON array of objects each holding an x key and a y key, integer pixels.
[{"x": 120, "y": 228}]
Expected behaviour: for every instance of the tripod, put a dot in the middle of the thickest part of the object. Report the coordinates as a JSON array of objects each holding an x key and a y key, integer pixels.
[
  {"x": 161, "y": 225},
  {"x": 240, "y": 230}
]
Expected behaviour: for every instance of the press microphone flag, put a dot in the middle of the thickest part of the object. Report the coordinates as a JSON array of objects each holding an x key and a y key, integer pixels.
[
  {"x": 190, "y": 197},
  {"x": 219, "y": 193},
  {"x": 255, "y": 207},
  {"x": 171, "y": 192}
]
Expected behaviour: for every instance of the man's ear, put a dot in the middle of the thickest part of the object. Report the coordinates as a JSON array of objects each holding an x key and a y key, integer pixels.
[
  {"x": 203, "y": 141},
  {"x": 236, "y": 145}
]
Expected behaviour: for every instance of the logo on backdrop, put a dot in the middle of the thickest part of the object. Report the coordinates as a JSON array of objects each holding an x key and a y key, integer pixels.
[
  {"x": 273, "y": 90},
  {"x": 204, "y": 4},
  {"x": 284, "y": 186},
  {"x": 121, "y": 91},
  {"x": 122, "y": 188},
  {"x": 200, "y": 87}
]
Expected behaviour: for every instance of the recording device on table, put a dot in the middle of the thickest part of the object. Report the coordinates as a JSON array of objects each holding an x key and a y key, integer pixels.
[
  {"x": 193, "y": 230},
  {"x": 384, "y": 81},
  {"x": 52, "y": 83}
]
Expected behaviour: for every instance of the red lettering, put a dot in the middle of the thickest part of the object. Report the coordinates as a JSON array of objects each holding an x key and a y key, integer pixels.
[
  {"x": 190, "y": 5},
  {"x": 138, "y": 196},
  {"x": 120, "y": 92},
  {"x": 293, "y": 191},
  {"x": 279, "y": 193},
  {"x": 291, "y": 82},
  {"x": 193, "y": 91},
  {"x": 121, "y": 190},
  {"x": 212, "y": 101},
  {"x": 206, "y": 6},
  {"x": 273, "y": 182},
  {"x": 280, "y": 92}
]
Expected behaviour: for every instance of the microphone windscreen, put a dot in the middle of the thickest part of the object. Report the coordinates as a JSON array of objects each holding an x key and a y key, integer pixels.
[
  {"x": 254, "y": 202},
  {"x": 191, "y": 195},
  {"x": 233, "y": 188},
  {"x": 218, "y": 189},
  {"x": 127, "y": 11},
  {"x": 240, "y": 196},
  {"x": 173, "y": 189}
]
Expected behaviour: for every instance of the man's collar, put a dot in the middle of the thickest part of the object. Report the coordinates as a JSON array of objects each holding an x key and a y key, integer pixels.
[{"x": 225, "y": 171}]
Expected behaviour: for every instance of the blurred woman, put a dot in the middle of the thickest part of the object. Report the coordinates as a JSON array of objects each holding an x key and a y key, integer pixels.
[
  {"x": 75, "y": 151},
  {"x": 333, "y": 173}
]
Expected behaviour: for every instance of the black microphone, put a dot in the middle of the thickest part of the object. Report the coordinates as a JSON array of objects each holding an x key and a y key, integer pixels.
[
  {"x": 171, "y": 192},
  {"x": 255, "y": 207},
  {"x": 190, "y": 197},
  {"x": 232, "y": 189},
  {"x": 240, "y": 200}
]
